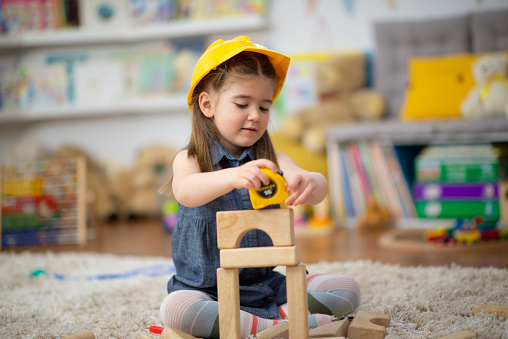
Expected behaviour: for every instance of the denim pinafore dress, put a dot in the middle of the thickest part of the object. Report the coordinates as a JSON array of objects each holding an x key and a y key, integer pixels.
[{"x": 196, "y": 256}]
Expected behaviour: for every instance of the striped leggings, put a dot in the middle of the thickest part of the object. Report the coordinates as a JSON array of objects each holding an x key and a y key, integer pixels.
[{"x": 196, "y": 313}]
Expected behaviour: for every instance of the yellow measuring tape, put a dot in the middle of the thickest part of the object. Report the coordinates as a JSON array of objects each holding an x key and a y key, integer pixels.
[{"x": 275, "y": 193}]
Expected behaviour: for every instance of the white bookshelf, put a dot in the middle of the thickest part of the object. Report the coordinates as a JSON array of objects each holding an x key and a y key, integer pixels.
[
  {"x": 177, "y": 29},
  {"x": 164, "y": 105}
]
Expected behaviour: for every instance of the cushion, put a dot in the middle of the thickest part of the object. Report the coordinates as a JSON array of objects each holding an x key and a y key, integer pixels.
[
  {"x": 396, "y": 41},
  {"x": 437, "y": 86},
  {"x": 489, "y": 31}
]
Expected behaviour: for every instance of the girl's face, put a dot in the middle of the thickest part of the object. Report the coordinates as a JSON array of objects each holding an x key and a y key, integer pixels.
[{"x": 241, "y": 112}]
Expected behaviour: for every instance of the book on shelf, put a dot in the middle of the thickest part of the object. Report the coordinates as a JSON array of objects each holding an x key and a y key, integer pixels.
[
  {"x": 458, "y": 209},
  {"x": 346, "y": 183},
  {"x": 457, "y": 164},
  {"x": 457, "y": 191}
]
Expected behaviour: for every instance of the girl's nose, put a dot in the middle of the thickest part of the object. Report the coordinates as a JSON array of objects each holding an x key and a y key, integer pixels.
[{"x": 253, "y": 115}]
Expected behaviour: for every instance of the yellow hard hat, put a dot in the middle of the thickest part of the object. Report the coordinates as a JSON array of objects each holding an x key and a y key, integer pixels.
[{"x": 220, "y": 51}]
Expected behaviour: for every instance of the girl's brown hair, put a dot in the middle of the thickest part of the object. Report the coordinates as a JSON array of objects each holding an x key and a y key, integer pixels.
[{"x": 204, "y": 133}]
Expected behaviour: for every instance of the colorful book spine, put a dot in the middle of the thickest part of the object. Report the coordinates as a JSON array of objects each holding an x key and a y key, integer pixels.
[
  {"x": 346, "y": 183},
  {"x": 466, "y": 191},
  {"x": 357, "y": 192},
  {"x": 362, "y": 175},
  {"x": 466, "y": 170},
  {"x": 399, "y": 181},
  {"x": 386, "y": 179}
]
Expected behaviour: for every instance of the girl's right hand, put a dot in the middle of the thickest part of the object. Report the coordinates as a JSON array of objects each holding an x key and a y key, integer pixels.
[{"x": 249, "y": 175}]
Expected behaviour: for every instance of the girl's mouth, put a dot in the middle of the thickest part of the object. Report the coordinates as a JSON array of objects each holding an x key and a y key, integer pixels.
[{"x": 249, "y": 129}]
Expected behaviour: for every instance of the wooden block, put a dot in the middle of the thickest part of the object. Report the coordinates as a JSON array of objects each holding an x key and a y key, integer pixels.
[
  {"x": 144, "y": 336},
  {"x": 296, "y": 284},
  {"x": 228, "y": 288},
  {"x": 82, "y": 335},
  {"x": 277, "y": 223},
  {"x": 279, "y": 331},
  {"x": 461, "y": 335},
  {"x": 173, "y": 333},
  {"x": 334, "y": 329},
  {"x": 260, "y": 257},
  {"x": 368, "y": 325},
  {"x": 501, "y": 311}
]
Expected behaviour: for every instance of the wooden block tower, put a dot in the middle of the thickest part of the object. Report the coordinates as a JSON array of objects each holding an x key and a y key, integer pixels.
[{"x": 278, "y": 224}]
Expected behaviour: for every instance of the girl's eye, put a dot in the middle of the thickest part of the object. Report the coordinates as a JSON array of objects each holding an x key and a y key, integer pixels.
[
  {"x": 264, "y": 109},
  {"x": 241, "y": 106}
]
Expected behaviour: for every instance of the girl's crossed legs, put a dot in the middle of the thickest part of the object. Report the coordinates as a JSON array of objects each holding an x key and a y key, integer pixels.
[{"x": 195, "y": 312}]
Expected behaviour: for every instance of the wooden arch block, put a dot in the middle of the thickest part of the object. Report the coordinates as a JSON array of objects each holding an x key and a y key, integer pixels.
[
  {"x": 277, "y": 223},
  {"x": 368, "y": 325}
]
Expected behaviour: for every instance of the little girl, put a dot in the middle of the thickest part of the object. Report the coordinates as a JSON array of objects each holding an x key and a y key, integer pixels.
[{"x": 233, "y": 87}]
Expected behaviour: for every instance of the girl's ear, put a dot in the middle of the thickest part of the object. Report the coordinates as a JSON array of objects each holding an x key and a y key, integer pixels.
[{"x": 205, "y": 104}]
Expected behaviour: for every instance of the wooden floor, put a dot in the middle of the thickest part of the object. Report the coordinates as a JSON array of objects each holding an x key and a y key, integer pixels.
[{"x": 147, "y": 238}]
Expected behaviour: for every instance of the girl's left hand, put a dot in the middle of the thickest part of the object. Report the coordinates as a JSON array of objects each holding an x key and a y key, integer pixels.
[{"x": 302, "y": 188}]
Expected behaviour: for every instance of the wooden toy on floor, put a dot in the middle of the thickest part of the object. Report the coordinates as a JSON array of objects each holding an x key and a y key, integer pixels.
[
  {"x": 279, "y": 331},
  {"x": 461, "y": 335},
  {"x": 87, "y": 334},
  {"x": 172, "y": 333},
  {"x": 501, "y": 311},
  {"x": 337, "y": 328},
  {"x": 368, "y": 325},
  {"x": 278, "y": 224}
]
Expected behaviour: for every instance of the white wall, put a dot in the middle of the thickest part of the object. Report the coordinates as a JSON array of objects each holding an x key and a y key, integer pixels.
[
  {"x": 296, "y": 27},
  {"x": 328, "y": 25}
]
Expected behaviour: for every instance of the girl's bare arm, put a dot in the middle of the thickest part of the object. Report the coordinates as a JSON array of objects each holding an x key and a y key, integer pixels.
[{"x": 193, "y": 188}]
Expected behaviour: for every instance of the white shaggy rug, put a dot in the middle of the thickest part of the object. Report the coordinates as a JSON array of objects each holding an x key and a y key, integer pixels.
[{"x": 119, "y": 297}]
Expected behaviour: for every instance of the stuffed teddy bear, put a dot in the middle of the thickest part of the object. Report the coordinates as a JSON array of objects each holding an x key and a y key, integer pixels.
[
  {"x": 343, "y": 98},
  {"x": 136, "y": 187},
  {"x": 489, "y": 97}
]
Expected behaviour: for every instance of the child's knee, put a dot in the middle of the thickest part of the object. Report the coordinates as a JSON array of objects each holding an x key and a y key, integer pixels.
[{"x": 175, "y": 304}]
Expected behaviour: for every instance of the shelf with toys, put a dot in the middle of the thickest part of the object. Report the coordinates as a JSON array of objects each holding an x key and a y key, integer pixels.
[
  {"x": 88, "y": 59},
  {"x": 178, "y": 29},
  {"x": 398, "y": 170}
]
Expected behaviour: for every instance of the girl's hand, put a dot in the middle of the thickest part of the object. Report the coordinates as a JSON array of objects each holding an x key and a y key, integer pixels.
[
  {"x": 249, "y": 175},
  {"x": 302, "y": 189}
]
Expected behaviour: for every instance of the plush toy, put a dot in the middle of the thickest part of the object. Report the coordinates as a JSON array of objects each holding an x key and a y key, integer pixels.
[
  {"x": 100, "y": 200},
  {"x": 136, "y": 187},
  {"x": 490, "y": 95},
  {"x": 375, "y": 218},
  {"x": 343, "y": 98}
]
